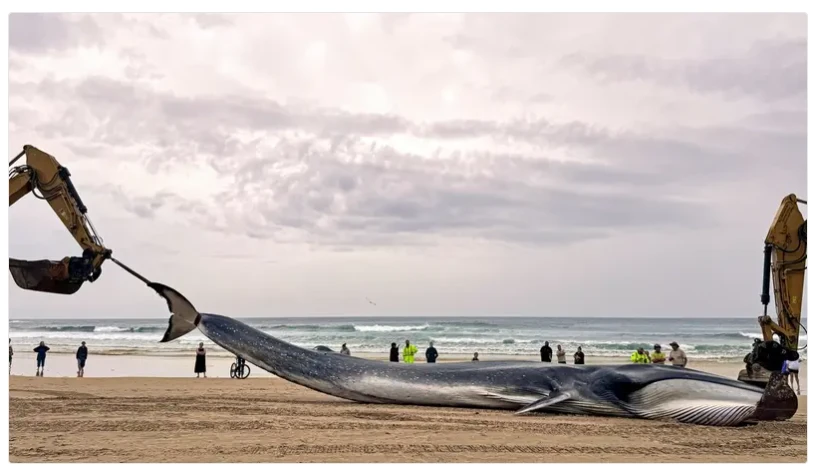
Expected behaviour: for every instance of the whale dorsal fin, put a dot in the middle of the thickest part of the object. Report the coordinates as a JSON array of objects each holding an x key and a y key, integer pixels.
[{"x": 544, "y": 402}]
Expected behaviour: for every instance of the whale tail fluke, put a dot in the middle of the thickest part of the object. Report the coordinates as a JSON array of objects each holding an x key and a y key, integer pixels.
[{"x": 184, "y": 316}]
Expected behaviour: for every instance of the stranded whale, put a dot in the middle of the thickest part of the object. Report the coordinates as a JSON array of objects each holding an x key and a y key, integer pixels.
[{"x": 630, "y": 390}]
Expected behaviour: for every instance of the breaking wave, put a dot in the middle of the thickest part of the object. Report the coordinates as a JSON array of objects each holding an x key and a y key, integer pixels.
[{"x": 700, "y": 338}]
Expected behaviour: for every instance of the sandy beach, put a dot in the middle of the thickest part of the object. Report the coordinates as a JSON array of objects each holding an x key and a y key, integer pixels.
[{"x": 266, "y": 419}]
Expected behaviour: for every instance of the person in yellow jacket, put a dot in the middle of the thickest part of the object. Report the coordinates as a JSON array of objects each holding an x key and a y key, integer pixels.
[
  {"x": 658, "y": 357},
  {"x": 639, "y": 356},
  {"x": 408, "y": 352}
]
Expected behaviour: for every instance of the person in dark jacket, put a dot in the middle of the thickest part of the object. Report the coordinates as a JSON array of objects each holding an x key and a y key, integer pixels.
[
  {"x": 431, "y": 354},
  {"x": 82, "y": 354},
  {"x": 199, "y": 365},
  {"x": 394, "y": 353},
  {"x": 547, "y": 352},
  {"x": 578, "y": 357},
  {"x": 41, "y": 357}
]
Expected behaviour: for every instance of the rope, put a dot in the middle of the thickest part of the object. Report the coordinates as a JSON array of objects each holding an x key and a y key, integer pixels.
[{"x": 130, "y": 271}]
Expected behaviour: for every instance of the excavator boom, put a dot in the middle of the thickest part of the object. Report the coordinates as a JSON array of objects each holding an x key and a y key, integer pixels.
[
  {"x": 43, "y": 176},
  {"x": 785, "y": 251},
  {"x": 785, "y": 260}
]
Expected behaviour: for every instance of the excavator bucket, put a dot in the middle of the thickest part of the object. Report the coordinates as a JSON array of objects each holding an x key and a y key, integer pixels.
[
  {"x": 779, "y": 401},
  {"x": 44, "y": 275}
]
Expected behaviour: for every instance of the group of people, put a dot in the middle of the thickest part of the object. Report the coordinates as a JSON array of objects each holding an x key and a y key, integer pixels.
[
  {"x": 431, "y": 354},
  {"x": 42, "y": 349},
  {"x": 546, "y": 353},
  {"x": 409, "y": 353},
  {"x": 676, "y": 357},
  {"x": 410, "y": 350}
]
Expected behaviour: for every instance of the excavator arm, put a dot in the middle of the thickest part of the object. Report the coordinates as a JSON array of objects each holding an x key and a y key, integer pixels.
[
  {"x": 785, "y": 259},
  {"x": 43, "y": 176},
  {"x": 785, "y": 256}
]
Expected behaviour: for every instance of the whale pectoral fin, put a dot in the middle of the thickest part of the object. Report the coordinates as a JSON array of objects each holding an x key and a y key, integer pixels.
[{"x": 544, "y": 402}]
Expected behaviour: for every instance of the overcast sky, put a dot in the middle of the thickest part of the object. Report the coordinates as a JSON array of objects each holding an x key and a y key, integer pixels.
[{"x": 293, "y": 165}]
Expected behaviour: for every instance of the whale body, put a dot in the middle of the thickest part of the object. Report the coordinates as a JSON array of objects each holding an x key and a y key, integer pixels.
[{"x": 631, "y": 390}]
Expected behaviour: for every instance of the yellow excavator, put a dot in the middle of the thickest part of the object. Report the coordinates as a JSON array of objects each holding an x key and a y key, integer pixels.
[
  {"x": 44, "y": 177},
  {"x": 785, "y": 259}
]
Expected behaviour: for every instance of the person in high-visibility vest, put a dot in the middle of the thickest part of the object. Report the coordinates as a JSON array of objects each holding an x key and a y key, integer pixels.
[
  {"x": 408, "y": 352},
  {"x": 658, "y": 357},
  {"x": 639, "y": 356}
]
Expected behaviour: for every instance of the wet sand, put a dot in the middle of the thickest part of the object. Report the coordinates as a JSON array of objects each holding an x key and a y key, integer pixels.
[{"x": 266, "y": 419}]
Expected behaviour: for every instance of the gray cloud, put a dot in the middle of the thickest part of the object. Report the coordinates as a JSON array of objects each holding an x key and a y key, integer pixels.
[
  {"x": 129, "y": 114},
  {"x": 150, "y": 207},
  {"x": 47, "y": 32},
  {"x": 333, "y": 181},
  {"x": 387, "y": 192},
  {"x": 770, "y": 70},
  {"x": 212, "y": 20}
]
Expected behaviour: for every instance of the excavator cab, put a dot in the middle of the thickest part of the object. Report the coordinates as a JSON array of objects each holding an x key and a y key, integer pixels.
[{"x": 44, "y": 177}]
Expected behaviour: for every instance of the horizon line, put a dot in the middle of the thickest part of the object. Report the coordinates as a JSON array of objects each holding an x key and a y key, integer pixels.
[{"x": 400, "y": 317}]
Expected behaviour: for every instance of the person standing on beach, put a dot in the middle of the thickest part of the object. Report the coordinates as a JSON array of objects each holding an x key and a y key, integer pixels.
[
  {"x": 547, "y": 352},
  {"x": 11, "y": 355},
  {"x": 791, "y": 367},
  {"x": 394, "y": 355},
  {"x": 639, "y": 356},
  {"x": 345, "y": 350},
  {"x": 578, "y": 357},
  {"x": 748, "y": 358},
  {"x": 199, "y": 364},
  {"x": 677, "y": 356},
  {"x": 408, "y": 352},
  {"x": 657, "y": 357},
  {"x": 41, "y": 358},
  {"x": 475, "y": 356},
  {"x": 431, "y": 354},
  {"x": 560, "y": 355},
  {"x": 82, "y": 354}
]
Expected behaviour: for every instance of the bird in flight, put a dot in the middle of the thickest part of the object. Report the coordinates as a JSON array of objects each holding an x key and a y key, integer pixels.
[{"x": 367, "y": 299}]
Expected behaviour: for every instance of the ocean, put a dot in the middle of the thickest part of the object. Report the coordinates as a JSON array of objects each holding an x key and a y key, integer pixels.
[{"x": 709, "y": 339}]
